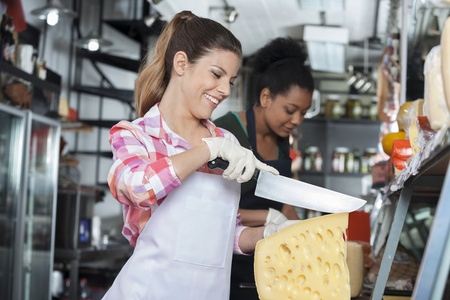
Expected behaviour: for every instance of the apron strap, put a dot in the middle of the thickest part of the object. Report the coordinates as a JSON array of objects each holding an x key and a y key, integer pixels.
[{"x": 282, "y": 143}]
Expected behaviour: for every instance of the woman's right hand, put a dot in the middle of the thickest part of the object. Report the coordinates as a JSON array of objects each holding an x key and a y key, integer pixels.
[{"x": 242, "y": 162}]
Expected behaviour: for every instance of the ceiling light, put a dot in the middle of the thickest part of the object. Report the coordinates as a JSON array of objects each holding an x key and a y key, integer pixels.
[
  {"x": 52, "y": 12},
  {"x": 92, "y": 42},
  {"x": 230, "y": 14}
]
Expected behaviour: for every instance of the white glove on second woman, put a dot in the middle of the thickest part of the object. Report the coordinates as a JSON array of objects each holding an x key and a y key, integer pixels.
[
  {"x": 272, "y": 228},
  {"x": 275, "y": 216},
  {"x": 242, "y": 162}
]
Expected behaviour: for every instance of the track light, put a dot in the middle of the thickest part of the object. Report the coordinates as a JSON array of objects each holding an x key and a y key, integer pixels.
[
  {"x": 52, "y": 12},
  {"x": 230, "y": 14},
  {"x": 93, "y": 42}
]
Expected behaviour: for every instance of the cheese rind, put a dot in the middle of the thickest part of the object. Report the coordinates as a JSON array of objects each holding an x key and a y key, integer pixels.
[{"x": 304, "y": 261}]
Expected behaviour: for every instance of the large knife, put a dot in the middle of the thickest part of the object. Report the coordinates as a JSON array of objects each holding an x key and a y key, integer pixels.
[{"x": 294, "y": 192}]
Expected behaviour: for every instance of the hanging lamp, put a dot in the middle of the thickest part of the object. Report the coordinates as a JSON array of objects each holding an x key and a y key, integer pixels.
[
  {"x": 52, "y": 11},
  {"x": 94, "y": 40}
]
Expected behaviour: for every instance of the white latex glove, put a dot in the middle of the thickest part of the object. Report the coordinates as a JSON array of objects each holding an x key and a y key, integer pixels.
[
  {"x": 272, "y": 228},
  {"x": 275, "y": 216},
  {"x": 242, "y": 162}
]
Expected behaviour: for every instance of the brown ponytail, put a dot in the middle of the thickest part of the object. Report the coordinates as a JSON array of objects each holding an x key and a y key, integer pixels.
[{"x": 185, "y": 32}]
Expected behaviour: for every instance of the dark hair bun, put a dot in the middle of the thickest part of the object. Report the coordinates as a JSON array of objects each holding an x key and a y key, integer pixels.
[{"x": 277, "y": 51}]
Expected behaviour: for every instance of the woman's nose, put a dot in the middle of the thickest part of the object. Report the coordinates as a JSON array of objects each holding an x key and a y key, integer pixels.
[
  {"x": 297, "y": 118},
  {"x": 225, "y": 89}
]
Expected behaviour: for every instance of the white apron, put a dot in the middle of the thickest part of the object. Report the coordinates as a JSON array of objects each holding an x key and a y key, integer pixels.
[{"x": 185, "y": 249}]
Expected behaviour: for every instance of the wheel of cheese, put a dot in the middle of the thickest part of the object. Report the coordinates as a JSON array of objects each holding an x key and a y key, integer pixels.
[{"x": 307, "y": 260}]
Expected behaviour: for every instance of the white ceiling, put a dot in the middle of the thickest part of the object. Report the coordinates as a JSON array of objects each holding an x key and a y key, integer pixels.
[{"x": 262, "y": 20}]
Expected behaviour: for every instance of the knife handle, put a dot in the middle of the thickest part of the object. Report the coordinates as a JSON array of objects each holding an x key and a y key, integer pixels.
[
  {"x": 223, "y": 164},
  {"x": 218, "y": 163}
]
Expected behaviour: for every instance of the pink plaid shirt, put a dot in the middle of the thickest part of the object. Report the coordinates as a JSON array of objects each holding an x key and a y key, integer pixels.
[{"x": 142, "y": 174}]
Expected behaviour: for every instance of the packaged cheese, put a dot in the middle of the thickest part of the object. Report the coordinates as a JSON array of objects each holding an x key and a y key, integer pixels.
[
  {"x": 307, "y": 260},
  {"x": 435, "y": 106}
]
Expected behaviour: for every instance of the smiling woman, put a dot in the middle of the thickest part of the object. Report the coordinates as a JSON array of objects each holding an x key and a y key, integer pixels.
[{"x": 180, "y": 215}]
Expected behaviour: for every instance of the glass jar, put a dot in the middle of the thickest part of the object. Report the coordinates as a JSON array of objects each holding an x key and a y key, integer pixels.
[
  {"x": 367, "y": 160},
  {"x": 373, "y": 109},
  {"x": 313, "y": 159},
  {"x": 339, "y": 159},
  {"x": 349, "y": 162},
  {"x": 318, "y": 161},
  {"x": 307, "y": 159},
  {"x": 353, "y": 108},
  {"x": 333, "y": 107}
]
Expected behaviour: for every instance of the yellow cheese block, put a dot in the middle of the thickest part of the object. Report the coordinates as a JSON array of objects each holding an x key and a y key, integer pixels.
[
  {"x": 413, "y": 130},
  {"x": 305, "y": 261},
  {"x": 445, "y": 44},
  {"x": 355, "y": 262},
  {"x": 435, "y": 107}
]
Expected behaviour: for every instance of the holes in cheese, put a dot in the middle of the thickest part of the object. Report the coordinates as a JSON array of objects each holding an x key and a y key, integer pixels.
[{"x": 304, "y": 261}]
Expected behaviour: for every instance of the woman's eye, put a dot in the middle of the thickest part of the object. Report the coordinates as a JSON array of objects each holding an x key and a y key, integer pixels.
[
  {"x": 216, "y": 75},
  {"x": 291, "y": 112},
  {"x": 304, "y": 113},
  {"x": 231, "y": 83}
]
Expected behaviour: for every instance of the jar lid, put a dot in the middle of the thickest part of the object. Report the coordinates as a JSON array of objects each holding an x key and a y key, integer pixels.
[
  {"x": 333, "y": 97},
  {"x": 371, "y": 150},
  {"x": 312, "y": 149},
  {"x": 341, "y": 149},
  {"x": 353, "y": 97}
]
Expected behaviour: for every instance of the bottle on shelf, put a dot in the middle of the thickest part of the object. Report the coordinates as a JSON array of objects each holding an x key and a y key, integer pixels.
[
  {"x": 66, "y": 291},
  {"x": 84, "y": 292},
  {"x": 318, "y": 161}
]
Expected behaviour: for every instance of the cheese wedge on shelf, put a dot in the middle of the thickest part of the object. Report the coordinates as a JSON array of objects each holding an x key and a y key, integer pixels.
[
  {"x": 305, "y": 261},
  {"x": 445, "y": 44},
  {"x": 435, "y": 107}
]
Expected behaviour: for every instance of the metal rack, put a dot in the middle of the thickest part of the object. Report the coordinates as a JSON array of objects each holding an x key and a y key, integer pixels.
[{"x": 432, "y": 172}]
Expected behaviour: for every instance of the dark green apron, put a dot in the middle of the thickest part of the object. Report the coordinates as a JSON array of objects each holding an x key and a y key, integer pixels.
[{"x": 242, "y": 277}]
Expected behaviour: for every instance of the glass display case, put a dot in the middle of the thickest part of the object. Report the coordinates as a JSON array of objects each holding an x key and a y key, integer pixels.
[{"x": 29, "y": 156}]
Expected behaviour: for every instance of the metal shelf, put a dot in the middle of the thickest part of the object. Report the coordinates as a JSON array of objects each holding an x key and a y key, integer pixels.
[
  {"x": 112, "y": 60},
  {"x": 432, "y": 172},
  {"x": 119, "y": 94},
  {"x": 42, "y": 84}
]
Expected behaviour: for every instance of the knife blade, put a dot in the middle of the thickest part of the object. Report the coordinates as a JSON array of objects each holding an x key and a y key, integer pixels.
[{"x": 297, "y": 193}]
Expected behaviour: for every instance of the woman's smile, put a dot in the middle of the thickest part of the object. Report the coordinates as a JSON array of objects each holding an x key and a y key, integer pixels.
[{"x": 212, "y": 99}]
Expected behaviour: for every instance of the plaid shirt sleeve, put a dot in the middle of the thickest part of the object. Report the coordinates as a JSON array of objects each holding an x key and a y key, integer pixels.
[{"x": 141, "y": 176}]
